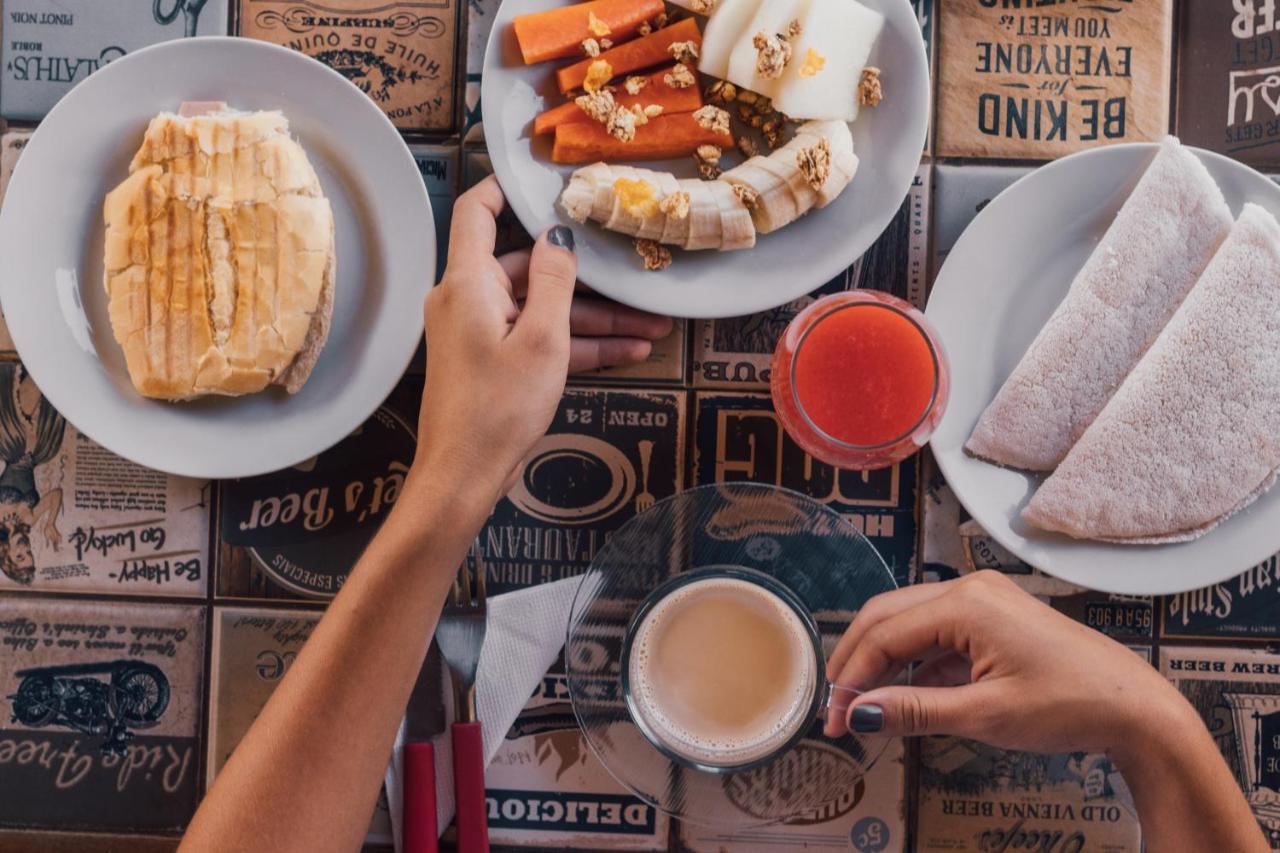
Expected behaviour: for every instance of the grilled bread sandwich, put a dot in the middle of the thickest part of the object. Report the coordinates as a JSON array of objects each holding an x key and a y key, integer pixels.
[{"x": 219, "y": 257}]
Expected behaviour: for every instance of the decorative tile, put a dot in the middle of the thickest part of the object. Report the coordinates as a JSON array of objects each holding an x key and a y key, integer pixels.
[
  {"x": 1036, "y": 81},
  {"x": 976, "y": 797},
  {"x": 440, "y": 167},
  {"x": 108, "y": 695},
  {"x": 1228, "y": 100},
  {"x": 253, "y": 648},
  {"x": 11, "y": 145},
  {"x": 735, "y": 352},
  {"x": 546, "y": 787},
  {"x": 1243, "y": 608},
  {"x": 1237, "y": 693},
  {"x": 738, "y": 437},
  {"x": 78, "y": 518},
  {"x": 607, "y": 451},
  {"x": 401, "y": 54},
  {"x": 49, "y": 47},
  {"x": 297, "y": 533},
  {"x": 665, "y": 364}
]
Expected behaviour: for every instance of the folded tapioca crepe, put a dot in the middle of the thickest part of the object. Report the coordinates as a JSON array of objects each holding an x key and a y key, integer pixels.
[
  {"x": 1193, "y": 434},
  {"x": 1155, "y": 249}
]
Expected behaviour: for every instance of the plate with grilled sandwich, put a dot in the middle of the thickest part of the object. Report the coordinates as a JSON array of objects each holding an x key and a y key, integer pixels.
[
  {"x": 1115, "y": 412},
  {"x": 213, "y": 256},
  {"x": 713, "y": 157}
]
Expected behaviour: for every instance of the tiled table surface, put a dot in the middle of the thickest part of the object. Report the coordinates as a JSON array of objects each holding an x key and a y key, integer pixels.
[{"x": 209, "y": 589}]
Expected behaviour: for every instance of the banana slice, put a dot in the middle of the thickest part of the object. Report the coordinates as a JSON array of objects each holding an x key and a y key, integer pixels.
[
  {"x": 782, "y": 164},
  {"x": 777, "y": 206},
  {"x": 675, "y": 231},
  {"x": 704, "y": 215},
  {"x": 736, "y": 228},
  {"x": 578, "y": 197}
]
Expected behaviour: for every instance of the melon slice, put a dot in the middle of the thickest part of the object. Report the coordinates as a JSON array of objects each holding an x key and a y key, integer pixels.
[
  {"x": 834, "y": 45},
  {"x": 723, "y": 30},
  {"x": 772, "y": 17}
]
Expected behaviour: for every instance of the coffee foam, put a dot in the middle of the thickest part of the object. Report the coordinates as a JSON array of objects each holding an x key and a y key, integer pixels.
[{"x": 706, "y": 747}]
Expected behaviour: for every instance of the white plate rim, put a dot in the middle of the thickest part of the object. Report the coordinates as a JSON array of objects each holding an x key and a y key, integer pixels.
[
  {"x": 1041, "y": 551},
  {"x": 398, "y": 356}
]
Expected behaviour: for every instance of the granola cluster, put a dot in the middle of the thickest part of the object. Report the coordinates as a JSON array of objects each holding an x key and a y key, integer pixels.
[
  {"x": 591, "y": 47},
  {"x": 634, "y": 84},
  {"x": 684, "y": 52},
  {"x": 721, "y": 92},
  {"x": 656, "y": 256},
  {"x": 621, "y": 124},
  {"x": 757, "y": 112},
  {"x": 680, "y": 77},
  {"x": 598, "y": 105},
  {"x": 815, "y": 163},
  {"x": 676, "y": 205},
  {"x": 773, "y": 52},
  {"x": 869, "y": 91},
  {"x": 712, "y": 118},
  {"x": 749, "y": 196},
  {"x": 707, "y": 158},
  {"x": 703, "y": 7}
]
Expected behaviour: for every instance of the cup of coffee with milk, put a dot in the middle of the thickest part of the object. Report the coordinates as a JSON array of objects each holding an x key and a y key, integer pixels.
[{"x": 722, "y": 669}]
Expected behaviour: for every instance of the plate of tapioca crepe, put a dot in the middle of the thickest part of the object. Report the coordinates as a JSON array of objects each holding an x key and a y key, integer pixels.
[
  {"x": 213, "y": 256},
  {"x": 1111, "y": 321}
]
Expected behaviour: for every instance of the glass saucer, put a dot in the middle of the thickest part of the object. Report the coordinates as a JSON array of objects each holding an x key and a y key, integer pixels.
[{"x": 816, "y": 553}]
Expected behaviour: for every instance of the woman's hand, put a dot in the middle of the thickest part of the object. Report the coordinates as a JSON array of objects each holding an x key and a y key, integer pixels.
[
  {"x": 502, "y": 333},
  {"x": 1000, "y": 667}
]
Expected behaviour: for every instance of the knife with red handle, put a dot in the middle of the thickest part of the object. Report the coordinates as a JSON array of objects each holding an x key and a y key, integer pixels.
[{"x": 468, "y": 783}]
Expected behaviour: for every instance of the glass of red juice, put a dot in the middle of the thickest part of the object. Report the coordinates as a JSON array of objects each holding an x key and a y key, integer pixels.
[{"x": 860, "y": 379}]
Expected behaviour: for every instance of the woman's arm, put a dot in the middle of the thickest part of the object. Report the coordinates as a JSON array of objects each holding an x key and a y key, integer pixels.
[
  {"x": 1006, "y": 669},
  {"x": 306, "y": 775}
]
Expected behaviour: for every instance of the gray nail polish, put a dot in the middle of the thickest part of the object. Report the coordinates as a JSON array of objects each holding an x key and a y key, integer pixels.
[
  {"x": 561, "y": 236},
  {"x": 867, "y": 718}
]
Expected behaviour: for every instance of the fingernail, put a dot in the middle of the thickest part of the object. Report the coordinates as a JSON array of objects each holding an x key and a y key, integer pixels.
[
  {"x": 561, "y": 236},
  {"x": 866, "y": 718}
]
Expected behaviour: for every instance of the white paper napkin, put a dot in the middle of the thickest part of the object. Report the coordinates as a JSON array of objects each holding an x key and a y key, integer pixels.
[{"x": 524, "y": 634}]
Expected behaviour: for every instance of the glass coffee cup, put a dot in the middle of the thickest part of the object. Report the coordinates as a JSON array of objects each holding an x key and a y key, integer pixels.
[{"x": 722, "y": 670}]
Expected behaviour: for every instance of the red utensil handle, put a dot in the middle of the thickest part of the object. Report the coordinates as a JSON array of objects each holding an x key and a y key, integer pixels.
[
  {"x": 468, "y": 783},
  {"x": 421, "y": 831}
]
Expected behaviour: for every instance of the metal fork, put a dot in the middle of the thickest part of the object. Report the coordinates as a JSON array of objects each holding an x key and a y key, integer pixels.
[{"x": 460, "y": 636}]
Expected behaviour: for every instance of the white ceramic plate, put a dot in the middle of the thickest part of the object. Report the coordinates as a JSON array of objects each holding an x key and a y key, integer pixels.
[
  {"x": 783, "y": 265},
  {"x": 1003, "y": 279},
  {"x": 51, "y": 257}
]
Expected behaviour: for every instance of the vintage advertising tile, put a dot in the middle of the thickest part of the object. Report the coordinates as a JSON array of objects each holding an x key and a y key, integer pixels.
[
  {"x": 665, "y": 364},
  {"x": 252, "y": 650},
  {"x": 739, "y": 438},
  {"x": 1036, "y": 81},
  {"x": 102, "y": 713},
  {"x": 954, "y": 544},
  {"x": 296, "y": 533},
  {"x": 1228, "y": 94},
  {"x": 608, "y": 453},
  {"x": 1243, "y": 608},
  {"x": 401, "y": 54},
  {"x": 735, "y": 352},
  {"x": 49, "y": 47},
  {"x": 959, "y": 194},
  {"x": 546, "y": 788},
  {"x": 977, "y": 797},
  {"x": 1237, "y": 693},
  {"x": 440, "y": 167},
  {"x": 11, "y": 144},
  {"x": 75, "y": 517}
]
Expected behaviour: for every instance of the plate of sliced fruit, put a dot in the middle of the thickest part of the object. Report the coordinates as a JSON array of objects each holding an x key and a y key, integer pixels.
[{"x": 713, "y": 157}]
